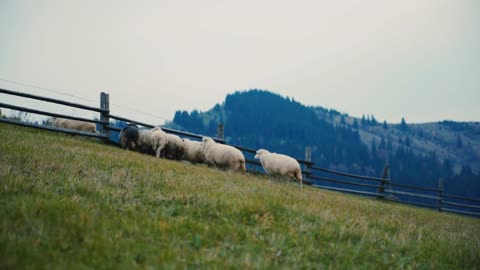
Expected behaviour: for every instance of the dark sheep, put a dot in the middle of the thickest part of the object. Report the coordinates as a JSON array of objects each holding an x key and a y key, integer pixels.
[{"x": 129, "y": 136}]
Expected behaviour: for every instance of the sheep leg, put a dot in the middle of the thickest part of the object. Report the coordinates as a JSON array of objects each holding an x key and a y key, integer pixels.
[
  {"x": 159, "y": 151},
  {"x": 177, "y": 154}
]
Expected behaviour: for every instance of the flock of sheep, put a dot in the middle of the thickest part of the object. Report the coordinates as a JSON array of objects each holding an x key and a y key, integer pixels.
[{"x": 158, "y": 143}]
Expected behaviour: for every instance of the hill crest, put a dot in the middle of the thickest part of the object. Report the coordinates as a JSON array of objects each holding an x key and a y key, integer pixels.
[{"x": 419, "y": 154}]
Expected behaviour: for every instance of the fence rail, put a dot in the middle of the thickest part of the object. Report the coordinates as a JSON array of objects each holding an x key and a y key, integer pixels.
[
  {"x": 114, "y": 128},
  {"x": 414, "y": 187},
  {"x": 128, "y": 120},
  {"x": 462, "y": 205},
  {"x": 342, "y": 181},
  {"x": 461, "y": 198},
  {"x": 17, "y": 108},
  {"x": 169, "y": 130},
  {"x": 412, "y": 194},
  {"x": 367, "y": 189},
  {"x": 348, "y": 174},
  {"x": 52, "y": 100}
]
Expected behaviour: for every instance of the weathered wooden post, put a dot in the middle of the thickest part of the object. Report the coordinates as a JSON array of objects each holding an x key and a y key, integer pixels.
[
  {"x": 220, "y": 131},
  {"x": 308, "y": 158},
  {"x": 381, "y": 187},
  {"x": 440, "y": 191},
  {"x": 104, "y": 116}
]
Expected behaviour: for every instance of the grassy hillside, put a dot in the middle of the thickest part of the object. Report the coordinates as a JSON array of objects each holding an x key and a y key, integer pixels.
[{"x": 70, "y": 202}]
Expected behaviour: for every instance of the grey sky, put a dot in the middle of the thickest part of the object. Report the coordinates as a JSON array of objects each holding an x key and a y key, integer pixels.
[{"x": 414, "y": 59}]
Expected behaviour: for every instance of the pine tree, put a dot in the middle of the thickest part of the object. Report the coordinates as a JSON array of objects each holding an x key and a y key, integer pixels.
[
  {"x": 459, "y": 141},
  {"x": 374, "y": 147},
  {"x": 355, "y": 123},
  {"x": 403, "y": 125},
  {"x": 389, "y": 144},
  {"x": 382, "y": 143},
  {"x": 447, "y": 168},
  {"x": 385, "y": 124},
  {"x": 408, "y": 142}
]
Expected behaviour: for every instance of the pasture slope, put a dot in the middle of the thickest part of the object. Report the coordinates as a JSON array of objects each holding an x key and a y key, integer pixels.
[{"x": 68, "y": 202}]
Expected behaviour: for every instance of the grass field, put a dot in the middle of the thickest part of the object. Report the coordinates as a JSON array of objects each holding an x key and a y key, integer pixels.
[{"x": 70, "y": 203}]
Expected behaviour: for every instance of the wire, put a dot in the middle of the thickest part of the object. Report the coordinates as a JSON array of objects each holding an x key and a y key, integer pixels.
[
  {"x": 82, "y": 98},
  {"x": 47, "y": 89},
  {"x": 135, "y": 110}
]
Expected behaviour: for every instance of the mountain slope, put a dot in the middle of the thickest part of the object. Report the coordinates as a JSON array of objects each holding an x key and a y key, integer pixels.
[
  {"x": 261, "y": 119},
  {"x": 459, "y": 142},
  {"x": 69, "y": 202},
  {"x": 420, "y": 154}
]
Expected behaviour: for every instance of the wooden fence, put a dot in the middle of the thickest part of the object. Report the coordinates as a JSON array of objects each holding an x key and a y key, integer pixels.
[{"x": 382, "y": 188}]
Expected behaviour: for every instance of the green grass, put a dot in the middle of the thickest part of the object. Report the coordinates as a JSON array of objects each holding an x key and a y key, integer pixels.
[{"x": 69, "y": 202}]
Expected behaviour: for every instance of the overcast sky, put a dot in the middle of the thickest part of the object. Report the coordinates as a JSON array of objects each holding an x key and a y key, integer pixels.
[{"x": 414, "y": 59}]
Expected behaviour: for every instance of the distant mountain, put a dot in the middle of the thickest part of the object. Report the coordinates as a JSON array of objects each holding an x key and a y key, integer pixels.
[
  {"x": 456, "y": 142},
  {"x": 418, "y": 154}
]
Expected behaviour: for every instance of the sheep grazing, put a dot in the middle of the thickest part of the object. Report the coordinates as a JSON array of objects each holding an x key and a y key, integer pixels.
[
  {"x": 278, "y": 164},
  {"x": 193, "y": 151},
  {"x": 57, "y": 122},
  {"x": 74, "y": 124},
  {"x": 129, "y": 136},
  {"x": 152, "y": 142},
  {"x": 221, "y": 155},
  {"x": 159, "y": 140},
  {"x": 145, "y": 142},
  {"x": 174, "y": 147}
]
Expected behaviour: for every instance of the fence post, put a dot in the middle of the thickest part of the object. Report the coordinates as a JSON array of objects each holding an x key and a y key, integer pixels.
[
  {"x": 308, "y": 157},
  {"x": 381, "y": 187},
  {"x": 220, "y": 131},
  {"x": 104, "y": 116},
  {"x": 440, "y": 191}
]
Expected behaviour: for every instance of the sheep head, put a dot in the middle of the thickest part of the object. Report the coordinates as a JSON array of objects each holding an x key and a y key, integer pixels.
[
  {"x": 206, "y": 141},
  {"x": 260, "y": 152}
]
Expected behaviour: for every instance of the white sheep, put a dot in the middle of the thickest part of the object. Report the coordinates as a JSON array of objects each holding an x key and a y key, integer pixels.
[
  {"x": 222, "y": 155},
  {"x": 193, "y": 151},
  {"x": 145, "y": 142},
  {"x": 159, "y": 140},
  {"x": 174, "y": 147},
  {"x": 278, "y": 164},
  {"x": 74, "y": 124},
  {"x": 152, "y": 142},
  {"x": 58, "y": 122}
]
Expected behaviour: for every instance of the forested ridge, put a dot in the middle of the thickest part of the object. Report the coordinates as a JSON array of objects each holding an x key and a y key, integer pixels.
[{"x": 262, "y": 119}]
